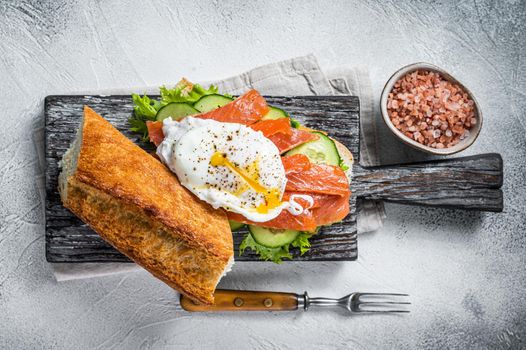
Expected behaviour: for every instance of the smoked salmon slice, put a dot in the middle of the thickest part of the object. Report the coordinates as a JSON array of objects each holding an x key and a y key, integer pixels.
[
  {"x": 326, "y": 209},
  {"x": 332, "y": 209},
  {"x": 246, "y": 109},
  {"x": 273, "y": 126},
  {"x": 286, "y": 142},
  {"x": 155, "y": 131},
  {"x": 282, "y": 134},
  {"x": 285, "y": 221},
  {"x": 314, "y": 178},
  {"x": 296, "y": 163}
]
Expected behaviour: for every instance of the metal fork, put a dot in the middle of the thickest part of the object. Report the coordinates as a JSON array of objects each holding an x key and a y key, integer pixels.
[
  {"x": 354, "y": 302},
  {"x": 243, "y": 300}
]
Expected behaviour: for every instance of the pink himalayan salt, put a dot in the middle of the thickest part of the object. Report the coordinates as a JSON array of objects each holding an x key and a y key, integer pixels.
[{"x": 430, "y": 109}]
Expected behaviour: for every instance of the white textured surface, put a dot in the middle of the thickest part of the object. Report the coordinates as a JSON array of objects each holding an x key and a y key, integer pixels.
[{"x": 465, "y": 271}]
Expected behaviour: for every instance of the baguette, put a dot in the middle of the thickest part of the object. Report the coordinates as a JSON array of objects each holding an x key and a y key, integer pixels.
[{"x": 137, "y": 205}]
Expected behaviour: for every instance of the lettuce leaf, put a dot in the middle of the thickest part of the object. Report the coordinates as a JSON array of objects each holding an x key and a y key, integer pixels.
[
  {"x": 185, "y": 91},
  {"x": 276, "y": 255},
  {"x": 139, "y": 126},
  {"x": 302, "y": 242},
  {"x": 144, "y": 109}
]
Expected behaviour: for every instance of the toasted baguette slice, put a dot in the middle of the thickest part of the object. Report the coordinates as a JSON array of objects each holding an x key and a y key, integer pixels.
[{"x": 137, "y": 205}]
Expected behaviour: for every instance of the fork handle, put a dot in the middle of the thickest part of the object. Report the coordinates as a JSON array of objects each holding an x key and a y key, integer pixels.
[{"x": 242, "y": 300}]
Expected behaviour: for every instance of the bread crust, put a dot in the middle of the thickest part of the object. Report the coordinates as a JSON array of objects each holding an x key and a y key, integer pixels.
[
  {"x": 137, "y": 205},
  {"x": 344, "y": 152}
]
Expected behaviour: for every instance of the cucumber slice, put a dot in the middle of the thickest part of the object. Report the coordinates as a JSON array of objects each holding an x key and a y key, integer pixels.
[
  {"x": 275, "y": 113},
  {"x": 234, "y": 225},
  {"x": 272, "y": 238},
  {"x": 210, "y": 102},
  {"x": 320, "y": 151},
  {"x": 176, "y": 110}
]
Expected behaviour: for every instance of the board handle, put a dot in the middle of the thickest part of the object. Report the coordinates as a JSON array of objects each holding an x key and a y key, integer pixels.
[
  {"x": 463, "y": 183},
  {"x": 244, "y": 300}
]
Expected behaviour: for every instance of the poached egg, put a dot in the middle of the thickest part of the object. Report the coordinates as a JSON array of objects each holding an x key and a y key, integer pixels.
[{"x": 227, "y": 165}]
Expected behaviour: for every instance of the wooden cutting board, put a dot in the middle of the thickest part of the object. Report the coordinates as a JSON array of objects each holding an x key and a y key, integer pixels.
[{"x": 463, "y": 183}]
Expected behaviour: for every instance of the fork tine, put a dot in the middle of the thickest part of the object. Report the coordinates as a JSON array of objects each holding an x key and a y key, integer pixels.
[
  {"x": 380, "y": 303},
  {"x": 385, "y": 311},
  {"x": 383, "y": 294}
]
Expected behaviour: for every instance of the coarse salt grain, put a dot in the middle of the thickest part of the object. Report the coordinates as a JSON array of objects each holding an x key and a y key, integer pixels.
[{"x": 430, "y": 109}]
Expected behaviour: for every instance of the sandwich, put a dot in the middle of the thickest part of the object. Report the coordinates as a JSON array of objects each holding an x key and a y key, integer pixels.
[
  {"x": 138, "y": 205},
  {"x": 252, "y": 161}
]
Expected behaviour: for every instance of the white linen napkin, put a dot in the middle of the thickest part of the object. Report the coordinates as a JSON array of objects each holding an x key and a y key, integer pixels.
[{"x": 297, "y": 76}]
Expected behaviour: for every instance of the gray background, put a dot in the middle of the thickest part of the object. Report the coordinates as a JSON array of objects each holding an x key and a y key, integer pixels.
[{"x": 465, "y": 271}]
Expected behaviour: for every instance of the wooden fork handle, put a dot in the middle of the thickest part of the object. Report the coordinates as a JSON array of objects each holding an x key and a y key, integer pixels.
[{"x": 237, "y": 300}]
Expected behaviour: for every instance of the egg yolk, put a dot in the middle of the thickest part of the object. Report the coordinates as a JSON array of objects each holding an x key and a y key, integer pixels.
[{"x": 271, "y": 196}]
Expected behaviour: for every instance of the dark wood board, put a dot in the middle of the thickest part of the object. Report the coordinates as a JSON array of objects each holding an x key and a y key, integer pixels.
[
  {"x": 471, "y": 183},
  {"x": 68, "y": 239}
]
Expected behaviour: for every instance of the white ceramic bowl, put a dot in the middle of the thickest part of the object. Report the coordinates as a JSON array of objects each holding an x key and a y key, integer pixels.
[{"x": 462, "y": 145}]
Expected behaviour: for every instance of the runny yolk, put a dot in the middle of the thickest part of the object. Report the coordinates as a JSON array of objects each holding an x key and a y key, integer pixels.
[{"x": 271, "y": 196}]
